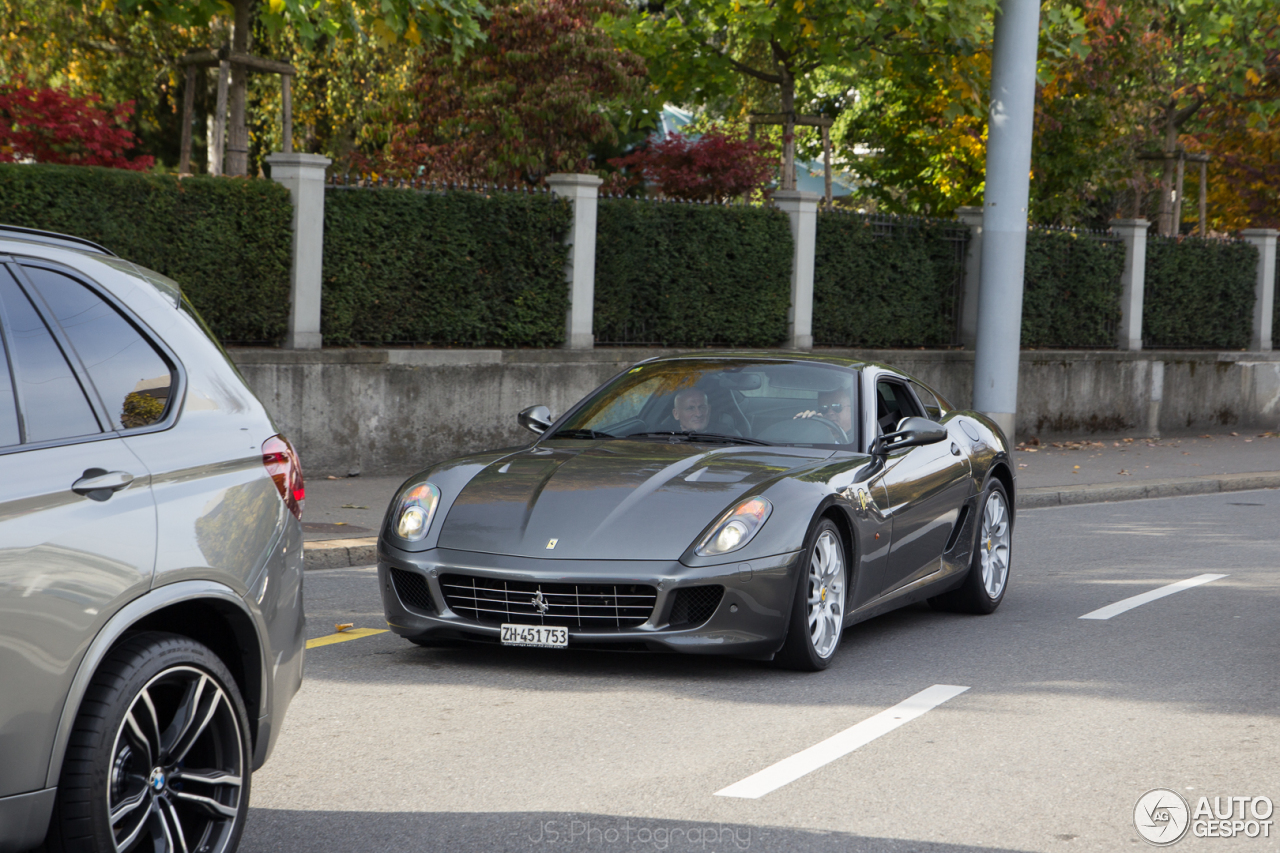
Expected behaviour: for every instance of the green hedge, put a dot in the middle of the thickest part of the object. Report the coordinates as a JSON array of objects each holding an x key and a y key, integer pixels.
[
  {"x": 225, "y": 240},
  {"x": 1071, "y": 289},
  {"x": 1198, "y": 293},
  {"x": 691, "y": 274},
  {"x": 886, "y": 281},
  {"x": 446, "y": 268}
]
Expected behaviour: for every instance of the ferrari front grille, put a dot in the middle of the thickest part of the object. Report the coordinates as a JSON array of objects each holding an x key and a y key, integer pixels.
[
  {"x": 589, "y": 606},
  {"x": 412, "y": 589},
  {"x": 694, "y": 605}
]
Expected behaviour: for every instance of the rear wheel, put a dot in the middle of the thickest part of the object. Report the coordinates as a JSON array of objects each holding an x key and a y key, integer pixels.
[
  {"x": 817, "y": 613},
  {"x": 159, "y": 756},
  {"x": 984, "y": 586}
]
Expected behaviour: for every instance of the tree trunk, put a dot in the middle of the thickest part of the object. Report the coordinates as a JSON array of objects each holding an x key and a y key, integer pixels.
[
  {"x": 1164, "y": 219},
  {"x": 238, "y": 130},
  {"x": 788, "y": 87}
]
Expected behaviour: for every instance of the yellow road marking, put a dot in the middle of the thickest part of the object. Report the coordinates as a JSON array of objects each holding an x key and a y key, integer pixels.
[{"x": 342, "y": 637}]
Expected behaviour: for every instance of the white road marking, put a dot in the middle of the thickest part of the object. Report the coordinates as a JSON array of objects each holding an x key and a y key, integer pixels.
[
  {"x": 1130, "y": 603},
  {"x": 790, "y": 769}
]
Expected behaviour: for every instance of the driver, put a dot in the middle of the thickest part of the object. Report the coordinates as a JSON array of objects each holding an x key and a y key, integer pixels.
[
  {"x": 691, "y": 410},
  {"x": 836, "y": 406}
]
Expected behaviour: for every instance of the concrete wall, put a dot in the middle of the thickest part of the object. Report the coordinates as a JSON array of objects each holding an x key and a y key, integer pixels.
[{"x": 392, "y": 410}]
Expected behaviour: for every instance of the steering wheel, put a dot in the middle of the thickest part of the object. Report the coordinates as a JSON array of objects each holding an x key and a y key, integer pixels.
[{"x": 836, "y": 430}]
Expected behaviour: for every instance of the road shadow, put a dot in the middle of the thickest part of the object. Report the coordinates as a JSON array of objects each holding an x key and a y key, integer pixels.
[{"x": 289, "y": 831}]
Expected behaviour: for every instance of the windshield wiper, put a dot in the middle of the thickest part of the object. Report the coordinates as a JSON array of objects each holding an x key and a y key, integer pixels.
[
  {"x": 701, "y": 436},
  {"x": 582, "y": 433}
]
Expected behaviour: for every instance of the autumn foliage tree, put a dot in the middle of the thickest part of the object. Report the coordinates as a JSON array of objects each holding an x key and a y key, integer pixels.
[
  {"x": 51, "y": 126},
  {"x": 531, "y": 99},
  {"x": 712, "y": 167}
]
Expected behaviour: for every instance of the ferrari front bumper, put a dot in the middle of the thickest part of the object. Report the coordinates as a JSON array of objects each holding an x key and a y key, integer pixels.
[{"x": 750, "y": 619}]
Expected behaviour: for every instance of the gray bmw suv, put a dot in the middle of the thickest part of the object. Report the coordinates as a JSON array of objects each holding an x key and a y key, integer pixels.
[{"x": 151, "y": 623}]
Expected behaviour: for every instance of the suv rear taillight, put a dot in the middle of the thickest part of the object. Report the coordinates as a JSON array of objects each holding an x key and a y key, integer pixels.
[{"x": 282, "y": 464}]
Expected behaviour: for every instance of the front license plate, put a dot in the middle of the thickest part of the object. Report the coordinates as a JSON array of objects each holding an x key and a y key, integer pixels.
[{"x": 541, "y": 636}]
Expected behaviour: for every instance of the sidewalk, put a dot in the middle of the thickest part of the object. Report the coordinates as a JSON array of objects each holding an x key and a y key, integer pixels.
[{"x": 343, "y": 514}]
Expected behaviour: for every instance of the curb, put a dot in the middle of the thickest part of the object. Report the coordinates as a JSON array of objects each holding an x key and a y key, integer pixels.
[
  {"x": 344, "y": 553},
  {"x": 1168, "y": 488}
]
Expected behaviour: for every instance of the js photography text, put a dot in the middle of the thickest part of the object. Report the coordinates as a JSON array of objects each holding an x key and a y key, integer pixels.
[{"x": 585, "y": 833}]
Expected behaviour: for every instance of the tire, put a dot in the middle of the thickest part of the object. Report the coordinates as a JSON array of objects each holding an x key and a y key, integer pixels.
[
  {"x": 987, "y": 580},
  {"x": 135, "y": 752},
  {"x": 821, "y": 594}
]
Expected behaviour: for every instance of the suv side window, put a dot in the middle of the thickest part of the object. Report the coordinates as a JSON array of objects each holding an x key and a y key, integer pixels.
[
  {"x": 131, "y": 377},
  {"x": 9, "y": 434},
  {"x": 893, "y": 403},
  {"x": 53, "y": 403}
]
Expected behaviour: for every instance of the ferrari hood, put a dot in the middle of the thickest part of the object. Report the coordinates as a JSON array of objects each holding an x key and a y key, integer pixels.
[{"x": 608, "y": 500}]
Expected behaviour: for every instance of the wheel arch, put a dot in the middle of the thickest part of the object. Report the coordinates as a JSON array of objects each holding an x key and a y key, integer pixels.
[
  {"x": 199, "y": 610},
  {"x": 1000, "y": 471}
]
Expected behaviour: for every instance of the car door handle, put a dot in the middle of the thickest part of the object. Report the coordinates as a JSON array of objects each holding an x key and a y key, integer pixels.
[{"x": 99, "y": 484}]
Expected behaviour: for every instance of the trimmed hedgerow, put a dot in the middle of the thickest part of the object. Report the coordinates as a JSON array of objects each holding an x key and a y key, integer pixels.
[
  {"x": 691, "y": 274},
  {"x": 885, "y": 281},
  {"x": 1198, "y": 293},
  {"x": 456, "y": 268},
  {"x": 1071, "y": 289},
  {"x": 226, "y": 241}
]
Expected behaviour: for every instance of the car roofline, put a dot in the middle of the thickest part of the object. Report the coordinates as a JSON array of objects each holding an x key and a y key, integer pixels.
[{"x": 52, "y": 238}]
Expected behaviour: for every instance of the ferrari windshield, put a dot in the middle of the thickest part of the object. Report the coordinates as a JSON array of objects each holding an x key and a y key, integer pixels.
[{"x": 724, "y": 400}]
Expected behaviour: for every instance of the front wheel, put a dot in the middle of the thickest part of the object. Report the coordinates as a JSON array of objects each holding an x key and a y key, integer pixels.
[
  {"x": 988, "y": 577},
  {"x": 159, "y": 756},
  {"x": 817, "y": 613}
]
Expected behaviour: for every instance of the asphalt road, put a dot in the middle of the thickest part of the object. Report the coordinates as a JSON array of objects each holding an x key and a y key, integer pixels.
[{"x": 1066, "y": 722}]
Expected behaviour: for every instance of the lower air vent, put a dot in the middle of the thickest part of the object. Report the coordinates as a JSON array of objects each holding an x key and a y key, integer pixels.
[
  {"x": 589, "y": 606},
  {"x": 694, "y": 605},
  {"x": 412, "y": 589}
]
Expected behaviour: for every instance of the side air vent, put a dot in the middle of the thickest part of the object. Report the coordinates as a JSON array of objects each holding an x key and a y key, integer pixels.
[
  {"x": 412, "y": 589},
  {"x": 955, "y": 531},
  {"x": 694, "y": 605}
]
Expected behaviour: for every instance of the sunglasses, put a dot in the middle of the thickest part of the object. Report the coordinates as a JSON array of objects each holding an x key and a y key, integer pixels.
[{"x": 834, "y": 408}]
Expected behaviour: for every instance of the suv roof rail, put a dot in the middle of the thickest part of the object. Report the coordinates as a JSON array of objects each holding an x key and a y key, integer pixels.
[{"x": 53, "y": 239}]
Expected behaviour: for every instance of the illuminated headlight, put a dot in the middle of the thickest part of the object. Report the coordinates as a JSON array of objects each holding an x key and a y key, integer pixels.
[
  {"x": 414, "y": 511},
  {"x": 735, "y": 528}
]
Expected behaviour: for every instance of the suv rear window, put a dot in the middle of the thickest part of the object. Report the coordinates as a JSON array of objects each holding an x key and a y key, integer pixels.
[
  {"x": 53, "y": 404},
  {"x": 132, "y": 378}
]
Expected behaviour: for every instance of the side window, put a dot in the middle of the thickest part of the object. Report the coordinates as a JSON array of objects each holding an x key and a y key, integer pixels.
[
  {"x": 893, "y": 403},
  {"x": 131, "y": 377},
  {"x": 932, "y": 408},
  {"x": 53, "y": 403},
  {"x": 9, "y": 434}
]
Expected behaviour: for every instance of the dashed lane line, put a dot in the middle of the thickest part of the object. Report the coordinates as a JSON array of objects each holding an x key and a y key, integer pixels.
[
  {"x": 343, "y": 636},
  {"x": 790, "y": 769},
  {"x": 1138, "y": 600}
]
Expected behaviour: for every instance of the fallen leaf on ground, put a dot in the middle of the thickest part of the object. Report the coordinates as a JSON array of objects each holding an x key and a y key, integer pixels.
[
  {"x": 343, "y": 626},
  {"x": 1124, "y": 472},
  {"x": 353, "y": 506}
]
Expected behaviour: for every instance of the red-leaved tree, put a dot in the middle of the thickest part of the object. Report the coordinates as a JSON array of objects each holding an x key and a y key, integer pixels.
[
  {"x": 713, "y": 167},
  {"x": 51, "y": 126}
]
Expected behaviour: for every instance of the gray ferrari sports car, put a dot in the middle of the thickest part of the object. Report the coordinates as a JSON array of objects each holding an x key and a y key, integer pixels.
[{"x": 711, "y": 503}]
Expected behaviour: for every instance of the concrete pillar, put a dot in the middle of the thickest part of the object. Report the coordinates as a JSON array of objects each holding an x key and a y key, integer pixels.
[
  {"x": 583, "y": 192},
  {"x": 802, "y": 209},
  {"x": 1156, "y": 399},
  {"x": 1132, "y": 280},
  {"x": 1264, "y": 302},
  {"x": 1004, "y": 238},
  {"x": 972, "y": 217},
  {"x": 303, "y": 176}
]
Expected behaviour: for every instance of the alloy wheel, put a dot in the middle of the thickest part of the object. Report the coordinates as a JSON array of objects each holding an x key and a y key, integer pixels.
[
  {"x": 995, "y": 545},
  {"x": 177, "y": 772},
  {"x": 826, "y": 594}
]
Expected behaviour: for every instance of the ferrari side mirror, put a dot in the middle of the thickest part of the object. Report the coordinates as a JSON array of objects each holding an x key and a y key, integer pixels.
[
  {"x": 911, "y": 432},
  {"x": 535, "y": 419}
]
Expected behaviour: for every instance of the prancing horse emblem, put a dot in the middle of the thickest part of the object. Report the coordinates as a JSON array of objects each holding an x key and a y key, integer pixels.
[{"x": 539, "y": 603}]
